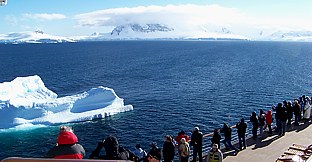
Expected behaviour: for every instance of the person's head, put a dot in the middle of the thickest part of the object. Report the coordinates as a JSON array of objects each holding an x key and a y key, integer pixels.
[
  {"x": 65, "y": 128},
  {"x": 215, "y": 147},
  {"x": 242, "y": 120},
  {"x": 285, "y": 102},
  {"x": 279, "y": 105},
  {"x": 183, "y": 140},
  {"x": 196, "y": 129},
  {"x": 269, "y": 112},
  {"x": 66, "y": 136},
  {"x": 261, "y": 111},
  {"x": 225, "y": 125},
  {"x": 216, "y": 131},
  {"x": 182, "y": 132},
  {"x": 138, "y": 146},
  {"x": 154, "y": 145},
  {"x": 254, "y": 113},
  {"x": 168, "y": 138}
]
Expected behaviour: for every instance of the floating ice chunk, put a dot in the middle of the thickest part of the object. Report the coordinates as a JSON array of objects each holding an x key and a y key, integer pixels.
[
  {"x": 25, "y": 91},
  {"x": 26, "y": 101}
]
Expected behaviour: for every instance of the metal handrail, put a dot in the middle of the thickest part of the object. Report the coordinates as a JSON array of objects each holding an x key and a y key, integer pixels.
[{"x": 207, "y": 144}]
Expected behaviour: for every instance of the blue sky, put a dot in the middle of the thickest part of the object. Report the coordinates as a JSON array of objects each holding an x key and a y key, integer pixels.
[{"x": 77, "y": 17}]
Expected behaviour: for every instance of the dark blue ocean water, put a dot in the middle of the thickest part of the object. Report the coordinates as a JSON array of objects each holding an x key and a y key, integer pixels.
[{"x": 173, "y": 85}]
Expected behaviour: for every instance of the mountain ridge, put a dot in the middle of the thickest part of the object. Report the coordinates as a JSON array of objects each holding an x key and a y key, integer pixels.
[{"x": 157, "y": 31}]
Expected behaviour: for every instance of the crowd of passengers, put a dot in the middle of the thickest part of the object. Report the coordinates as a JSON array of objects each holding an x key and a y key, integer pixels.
[{"x": 299, "y": 110}]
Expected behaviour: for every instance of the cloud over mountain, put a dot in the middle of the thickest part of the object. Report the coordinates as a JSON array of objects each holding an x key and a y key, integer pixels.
[
  {"x": 172, "y": 15},
  {"x": 190, "y": 17}
]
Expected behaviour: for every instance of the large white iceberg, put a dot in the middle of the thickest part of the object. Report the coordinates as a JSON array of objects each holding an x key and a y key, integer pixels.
[{"x": 26, "y": 101}]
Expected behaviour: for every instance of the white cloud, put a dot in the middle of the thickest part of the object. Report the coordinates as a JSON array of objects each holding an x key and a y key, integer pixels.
[
  {"x": 188, "y": 16},
  {"x": 44, "y": 16},
  {"x": 170, "y": 14}
]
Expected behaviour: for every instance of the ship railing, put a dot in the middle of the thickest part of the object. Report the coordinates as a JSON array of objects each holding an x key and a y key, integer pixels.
[
  {"x": 207, "y": 139},
  {"x": 19, "y": 159}
]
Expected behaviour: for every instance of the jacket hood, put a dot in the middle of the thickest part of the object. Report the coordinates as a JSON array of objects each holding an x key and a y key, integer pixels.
[
  {"x": 183, "y": 140},
  {"x": 67, "y": 138},
  {"x": 270, "y": 112}
]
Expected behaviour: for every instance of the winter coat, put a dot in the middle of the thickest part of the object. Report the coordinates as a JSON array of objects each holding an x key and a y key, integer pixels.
[
  {"x": 290, "y": 111},
  {"x": 155, "y": 153},
  {"x": 227, "y": 133},
  {"x": 168, "y": 150},
  {"x": 216, "y": 139},
  {"x": 307, "y": 111},
  {"x": 197, "y": 139},
  {"x": 140, "y": 153},
  {"x": 268, "y": 117},
  {"x": 215, "y": 156},
  {"x": 184, "y": 149},
  {"x": 67, "y": 147},
  {"x": 254, "y": 121},
  {"x": 178, "y": 138},
  {"x": 261, "y": 119},
  {"x": 241, "y": 129},
  {"x": 297, "y": 109}
]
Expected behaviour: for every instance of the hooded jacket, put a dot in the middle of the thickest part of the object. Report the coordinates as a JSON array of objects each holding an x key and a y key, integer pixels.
[
  {"x": 215, "y": 156},
  {"x": 268, "y": 117},
  {"x": 67, "y": 147},
  {"x": 184, "y": 148}
]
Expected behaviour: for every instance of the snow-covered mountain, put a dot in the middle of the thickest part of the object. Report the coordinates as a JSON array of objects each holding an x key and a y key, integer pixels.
[
  {"x": 32, "y": 37},
  {"x": 302, "y": 36},
  {"x": 162, "y": 32},
  {"x": 148, "y": 28}
]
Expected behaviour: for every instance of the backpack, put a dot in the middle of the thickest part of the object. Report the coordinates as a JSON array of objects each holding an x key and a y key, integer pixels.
[{"x": 187, "y": 150}]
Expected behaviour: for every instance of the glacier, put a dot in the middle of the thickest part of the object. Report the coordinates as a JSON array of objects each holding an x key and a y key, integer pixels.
[
  {"x": 37, "y": 36},
  {"x": 26, "y": 102}
]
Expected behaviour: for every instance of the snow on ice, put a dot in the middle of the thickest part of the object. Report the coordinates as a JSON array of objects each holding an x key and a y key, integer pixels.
[{"x": 26, "y": 101}]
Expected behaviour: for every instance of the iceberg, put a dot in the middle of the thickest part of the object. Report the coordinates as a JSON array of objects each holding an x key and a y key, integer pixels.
[{"x": 26, "y": 101}]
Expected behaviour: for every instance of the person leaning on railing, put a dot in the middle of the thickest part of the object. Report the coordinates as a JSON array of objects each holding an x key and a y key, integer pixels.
[{"x": 241, "y": 132}]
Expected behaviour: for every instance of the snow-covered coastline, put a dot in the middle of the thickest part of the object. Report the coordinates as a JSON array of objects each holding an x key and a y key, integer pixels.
[
  {"x": 158, "y": 32},
  {"x": 32, "y": 37}
]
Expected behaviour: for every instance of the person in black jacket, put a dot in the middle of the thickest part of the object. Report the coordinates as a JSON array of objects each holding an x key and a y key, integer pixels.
[
  {"x": 261, "y": 119},
  {"x": 228, "y": 137},
  {"x": 297, "y": 111},
  {"x": 197, "y": 143},
  {"x": 283, "y": 119},
  {"x": 113, "y": 150},
  {"x": 255, "y": 124},
  {"x": 278, "y": 116},
  {"x": 154, "y": 154},
  {"x": 241, "y": 131},
  {"x": 290, "y": 113},
  {"x": 168, "y": 149},
  {"x": 216, "y": 138}
]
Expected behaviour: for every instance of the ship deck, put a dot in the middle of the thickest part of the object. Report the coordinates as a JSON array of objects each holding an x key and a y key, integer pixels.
[{"x": 272, "y": 146}]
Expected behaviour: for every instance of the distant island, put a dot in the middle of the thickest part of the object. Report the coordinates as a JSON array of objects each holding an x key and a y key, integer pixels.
[{"x": 156, "y": 32}]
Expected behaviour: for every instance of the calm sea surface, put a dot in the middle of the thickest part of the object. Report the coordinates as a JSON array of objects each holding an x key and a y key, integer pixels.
[{"x": 173, "y": 85}]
